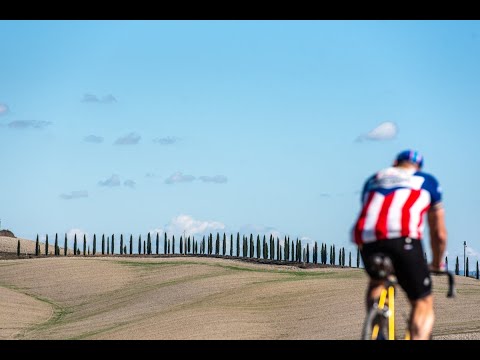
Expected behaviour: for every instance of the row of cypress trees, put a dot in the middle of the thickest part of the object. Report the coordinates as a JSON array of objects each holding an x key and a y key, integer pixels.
[
  {"x": 288, "y": 251},
  {"x": 188, "y": 246}
]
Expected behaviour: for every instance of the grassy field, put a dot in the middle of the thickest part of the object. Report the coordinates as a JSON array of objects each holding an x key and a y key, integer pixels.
[{"x": 200, "y": 298}]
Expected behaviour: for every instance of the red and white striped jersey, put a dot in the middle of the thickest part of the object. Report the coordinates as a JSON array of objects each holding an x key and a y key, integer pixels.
[{"x": 394, "y": 202}]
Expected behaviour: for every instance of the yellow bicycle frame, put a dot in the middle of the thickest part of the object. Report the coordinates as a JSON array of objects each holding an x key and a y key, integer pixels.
[{"x": 387, "y": 296}]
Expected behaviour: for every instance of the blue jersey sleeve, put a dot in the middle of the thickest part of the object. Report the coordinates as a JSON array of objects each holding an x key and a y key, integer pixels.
[
  {"x": 366, "y": 188},
  {"x": 433, "y": 187}
]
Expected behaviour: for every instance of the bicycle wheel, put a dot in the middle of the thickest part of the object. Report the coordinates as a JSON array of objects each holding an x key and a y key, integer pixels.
[{"x": 375, "y": 326}]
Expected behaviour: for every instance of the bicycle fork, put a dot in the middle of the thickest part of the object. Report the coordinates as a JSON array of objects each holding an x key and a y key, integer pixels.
[{"x": 387, "y": 296}]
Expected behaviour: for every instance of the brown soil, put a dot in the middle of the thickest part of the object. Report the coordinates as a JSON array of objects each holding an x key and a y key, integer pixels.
[{"x": 201, "y": 298}]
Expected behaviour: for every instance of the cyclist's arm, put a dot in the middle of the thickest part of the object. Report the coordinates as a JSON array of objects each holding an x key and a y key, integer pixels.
[{"x": 438, "y": 234}]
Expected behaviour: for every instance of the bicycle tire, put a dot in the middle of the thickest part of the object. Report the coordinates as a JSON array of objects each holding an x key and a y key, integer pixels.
[{"x": 374, "y": 316}]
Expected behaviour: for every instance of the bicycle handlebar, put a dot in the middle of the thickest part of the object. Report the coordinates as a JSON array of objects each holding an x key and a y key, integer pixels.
[{"x": 451, "y": 282}]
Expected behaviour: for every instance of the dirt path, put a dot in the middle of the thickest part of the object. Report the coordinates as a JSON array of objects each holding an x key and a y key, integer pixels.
[{"x": 204, "y": 298}]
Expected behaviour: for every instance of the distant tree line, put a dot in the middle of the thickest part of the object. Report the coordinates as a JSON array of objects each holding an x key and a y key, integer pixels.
[{"x": 245, "y": 246}]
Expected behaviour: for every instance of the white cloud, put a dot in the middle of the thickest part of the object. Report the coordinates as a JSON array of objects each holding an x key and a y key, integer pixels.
[
  {"x": 169, "y": 140},
  {"x": 28, "y": 124},
  {"x": 179, "y": 177},
  {"x": 129, "y": 139},
  {"x": 113, "y": 180},
  {"x": 108, "y": 99},
  {"x": 191, "y": 226},
  {"x": 80, "y": 233},
  {"x": 75, "y": 195},
  {"x": 130, "y": 183},
  {"x": 93, "y": 139},
  {"x": 385, "y": 131},
  {"x": 472, "y": 252},
  {"x": 92, "y": 98},
  {"x": 260, "y": 230},
  {"x": 219, "y": 179},
  {"x": 3, "y": 109},
  {"x": 156, "y": 231}
]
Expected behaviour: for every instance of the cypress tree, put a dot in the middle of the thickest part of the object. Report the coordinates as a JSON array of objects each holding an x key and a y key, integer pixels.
[
  {"x": 217, "y": 244},
  {"x": 121, "y": 244},
  {"x": 231, "y": 245},
  {"x": 157, "y": 243},
  {"x": 446, "y": 263},
  {"x": 46, "y": 246},
  {"x": 56, "y": 245},
  {"x": 94, "y": 248},
  {"x": 224, "y": 244},
  {"x": 279, "y": 254},
  {"x": 78, "y": 251},
  {"x": 477, "y": 271},
  {"x": 189, "y": 249},
  {"x": 113, "y": 244},
  {"x": 75, "y": 245},
  {"x": 358, "y": 257},
  {"x": 202, "y": 249},
  {"x": 37, "y": 247},
  {"x": 285, "y": 249},
  {"x": 181, "y": 245},
  {"x": 298, "y": 251},
  {"x": 84, "y": 244},
  {"x": 244, "y": 247},
  {"x": 308, "y": 253},
  {"x": 125, "y": 249},
  {"x": 103, "y": 244},
  {"x": 139, "y": 244},
  {"x": 238, "y": 244},
  {"x": 165, "y": 244},
  {"x": 149, "y": 244},
  {"x": 252, "y": 246},
  {"x": 65, "y": 246},
  {"x": 258, "y": 246},
  {"x": 349, "y": 259},
  {"x": 169, "y": 246},
  {"x": 457, "y": 268},
  {"x": 144, "y": 248},
  {"x": 272, "y": 248},
  {"x": 131, "y": 244},
  {"x": 108, "y": 245},
  {"x": 467, "y": 273},
  {"x": 265, "y": 248},
  {"x": 18, "y": 248},
  {"x": 173, "y": 244}
]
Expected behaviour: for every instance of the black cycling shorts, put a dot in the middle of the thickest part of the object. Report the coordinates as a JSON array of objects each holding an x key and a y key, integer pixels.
[{"x": 407, "y": 256}]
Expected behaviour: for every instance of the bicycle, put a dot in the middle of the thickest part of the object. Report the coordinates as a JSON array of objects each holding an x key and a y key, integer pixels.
[{"x": 380, "y": 319}]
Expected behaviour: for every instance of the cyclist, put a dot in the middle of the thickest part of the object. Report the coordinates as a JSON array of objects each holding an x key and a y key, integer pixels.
[{"x": 394, "y": 202}]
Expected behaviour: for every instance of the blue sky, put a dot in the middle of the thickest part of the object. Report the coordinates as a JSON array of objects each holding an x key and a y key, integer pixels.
[{"x": 131, "y": 126}]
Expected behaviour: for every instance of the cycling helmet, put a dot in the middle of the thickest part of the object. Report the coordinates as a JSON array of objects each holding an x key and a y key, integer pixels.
[{"x": 412, "y": 156}]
